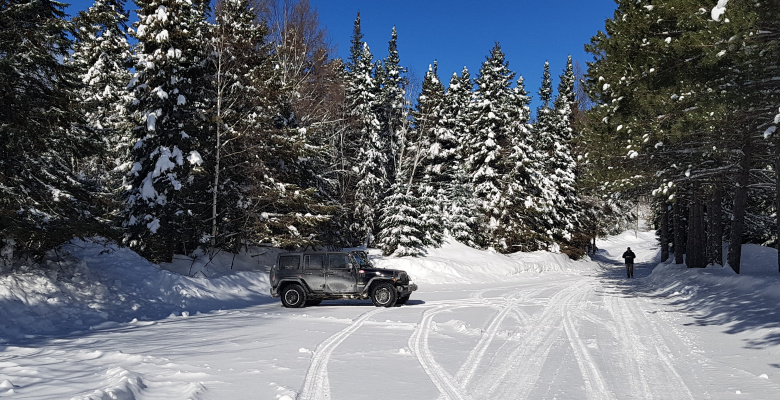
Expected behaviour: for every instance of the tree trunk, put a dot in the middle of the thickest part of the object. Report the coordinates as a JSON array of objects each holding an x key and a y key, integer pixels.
[
  {"x": 695, "y": 246},
  {"x": 715, "y": 222},
  {"x": 777, "y": 195},
  {"x": 664, "y": 232},
  {"x": 740, "y": 203},
  {"x": 678, "y": 234}
]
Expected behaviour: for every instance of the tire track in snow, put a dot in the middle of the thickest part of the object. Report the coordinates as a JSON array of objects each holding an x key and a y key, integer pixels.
[
  {"x": 316, "y": 385},
  {"x": 477, "y": 355},
  {"x": 418, "y": 342},
  {"x": 519, "y": 366}
]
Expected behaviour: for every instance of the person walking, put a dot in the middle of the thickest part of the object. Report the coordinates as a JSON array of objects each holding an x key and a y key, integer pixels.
[{"x": 629, "y": 256}]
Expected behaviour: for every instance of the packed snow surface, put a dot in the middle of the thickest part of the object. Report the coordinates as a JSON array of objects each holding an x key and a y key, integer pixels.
[{"x": 96, "y": 321}]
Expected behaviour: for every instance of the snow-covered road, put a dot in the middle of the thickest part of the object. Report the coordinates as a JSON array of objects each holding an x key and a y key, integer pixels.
[
  {"x": 552, "y": 336},
  {"x": 558, "y": 335}
]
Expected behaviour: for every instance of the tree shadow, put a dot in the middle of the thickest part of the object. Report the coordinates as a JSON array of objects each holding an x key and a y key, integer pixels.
[{"x": 27, "y": 322}]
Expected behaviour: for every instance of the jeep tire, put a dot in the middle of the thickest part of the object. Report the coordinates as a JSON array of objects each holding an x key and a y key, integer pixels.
[
  {"x": 384, "y": 295},
  {"x": 293, "y": 296}
]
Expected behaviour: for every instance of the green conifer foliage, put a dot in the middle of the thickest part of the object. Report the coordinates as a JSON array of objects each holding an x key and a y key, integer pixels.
[
  {"x": 102, "y": 57},
  {"x": 164, "y": 212},
  {"x": 43, "y": 202}
]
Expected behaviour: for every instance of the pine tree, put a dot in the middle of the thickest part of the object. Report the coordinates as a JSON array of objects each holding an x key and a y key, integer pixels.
[
  {"x": 677, "y": 93},
  {"x": 552, "y": 138},
  {"x": 544, "y": 142},
  {"x": 519, "y": 209},
  {"x": 164, "y": 212},
  {"x": 43, "y": 202}
]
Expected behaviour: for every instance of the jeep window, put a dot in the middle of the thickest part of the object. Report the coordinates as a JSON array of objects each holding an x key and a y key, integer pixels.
[
  {"x": 338, "y": 260},
  {"x": 361, "y": 259},
  {"x": 289, "y": 262},
  {"x": 314, "y": 261}
]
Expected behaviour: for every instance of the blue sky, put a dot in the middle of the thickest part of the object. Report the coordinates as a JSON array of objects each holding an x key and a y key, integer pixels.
[{"x": 460, "y": 33}]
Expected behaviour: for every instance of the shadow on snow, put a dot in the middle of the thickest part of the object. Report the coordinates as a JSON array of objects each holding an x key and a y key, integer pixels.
[{"x": 709, "y": 302}]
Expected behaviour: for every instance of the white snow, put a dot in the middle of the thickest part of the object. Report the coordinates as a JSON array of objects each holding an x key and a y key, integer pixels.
[
  {"x": 151, "y": 121},
  {"x": 194, "y": 158},
  {"x": 96, "y": 321},
  {"x": 769, "y": 132},
  {"x": 718, "y": 10}
]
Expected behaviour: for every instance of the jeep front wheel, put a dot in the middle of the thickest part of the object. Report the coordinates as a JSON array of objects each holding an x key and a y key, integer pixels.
[
  {"x": 293, "y": 296},
  {"x": 384, "y": 295}
]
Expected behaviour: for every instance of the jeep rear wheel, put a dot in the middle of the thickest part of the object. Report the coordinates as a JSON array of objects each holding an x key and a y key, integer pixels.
[
  {"x": 384, "y": 295},
  {"x": 293, "y": 296}
]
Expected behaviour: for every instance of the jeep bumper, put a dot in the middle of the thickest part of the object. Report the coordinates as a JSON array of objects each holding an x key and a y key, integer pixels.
[{"x": 404, "y": 290}]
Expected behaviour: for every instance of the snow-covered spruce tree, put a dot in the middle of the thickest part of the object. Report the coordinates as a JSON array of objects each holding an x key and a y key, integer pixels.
[
  {"x": 491, "y": 143},
  {"x": 461, "y": 219},
  {"x": 371, "y": 160},
  {"x": 102, "y": 57},
  {"x": 168, "y": 200},
  {"x": 552, "y": 135},
  {"x": 392, "y": 111},
  {"x": 567, "y": 206},
  {"x": 520, "y": 212},
  {"x": 402, "y": 229},
  {"x": 432, "y": 151},
  {"x": 563, "y": 171},
  {"x": 543, "y": 138},
  {"x": 43, "y": 203}
]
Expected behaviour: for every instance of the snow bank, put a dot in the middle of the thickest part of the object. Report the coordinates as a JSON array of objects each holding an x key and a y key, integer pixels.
[
  {"x": 94, "y": 283},
  {"x": 457, "y": 263},
  {"x": 716, "y": 295},
  {"x": 758, "y": 275}
]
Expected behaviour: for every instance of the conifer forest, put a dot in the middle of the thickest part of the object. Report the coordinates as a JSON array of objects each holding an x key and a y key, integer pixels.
[{"x": 216, "y": 126}]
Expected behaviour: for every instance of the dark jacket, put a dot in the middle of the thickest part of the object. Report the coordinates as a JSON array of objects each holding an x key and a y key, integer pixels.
[{"x": 629, "y": 256}]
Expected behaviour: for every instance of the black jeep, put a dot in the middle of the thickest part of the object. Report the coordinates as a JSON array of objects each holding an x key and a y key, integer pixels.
[{"x": 307, "y": 278}]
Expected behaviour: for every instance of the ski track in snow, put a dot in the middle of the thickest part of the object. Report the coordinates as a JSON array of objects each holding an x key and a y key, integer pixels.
[{"x": 595, "y": 386}]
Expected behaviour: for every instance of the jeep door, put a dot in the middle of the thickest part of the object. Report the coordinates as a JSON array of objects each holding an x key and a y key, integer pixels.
[
  {"x": 314, "y": 271},
  {"x": 340, "y": 275}
]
